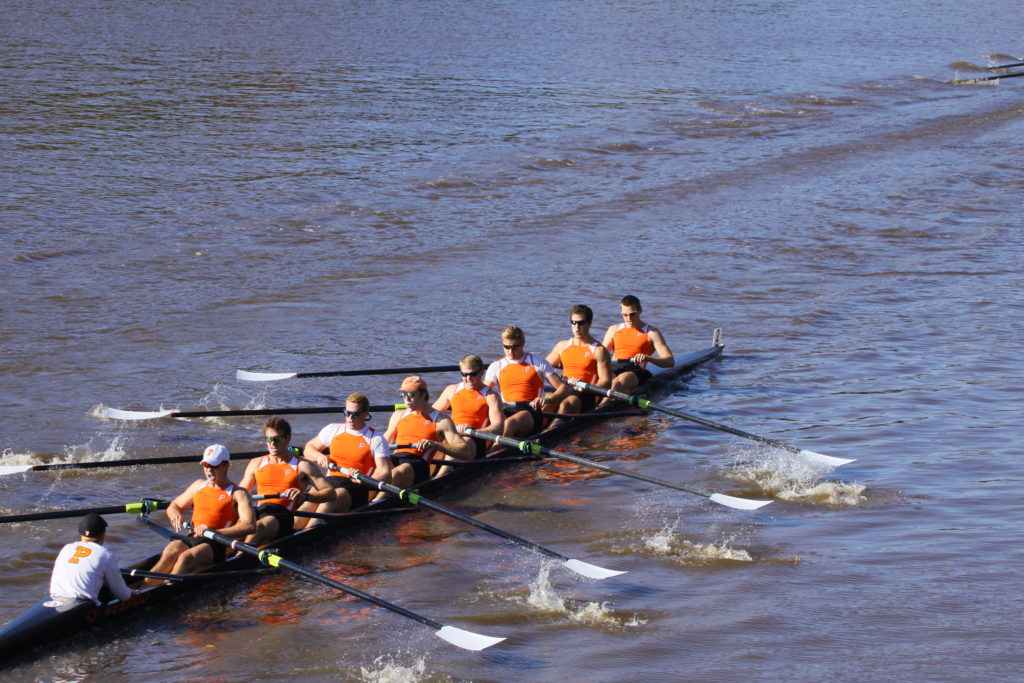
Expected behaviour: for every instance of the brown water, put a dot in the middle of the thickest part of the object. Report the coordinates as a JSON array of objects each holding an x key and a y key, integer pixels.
[{"x": 191, "y": 188}]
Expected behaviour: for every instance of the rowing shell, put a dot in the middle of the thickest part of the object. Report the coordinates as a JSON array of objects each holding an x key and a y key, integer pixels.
[{"x": 50, "y": 620}]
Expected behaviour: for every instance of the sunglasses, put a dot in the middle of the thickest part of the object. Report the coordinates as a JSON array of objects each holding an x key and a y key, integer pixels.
[
  {"x": 630, "y": 315},
  {"x": 352, "y": 413},
  {"x": 511, "y": 346},
  {"x": 408, "y": 395},
  {"x": 470, "y": 374},
  {"x": 276, "y": 439},
  {"x": 578, "y": 323}
]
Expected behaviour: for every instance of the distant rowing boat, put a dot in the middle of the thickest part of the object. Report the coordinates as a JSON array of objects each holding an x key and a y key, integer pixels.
[{"x": 49, "y": 620}]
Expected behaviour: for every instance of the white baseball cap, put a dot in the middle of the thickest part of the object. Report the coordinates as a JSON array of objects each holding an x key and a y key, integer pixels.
[{"x": 215, "y": 455}]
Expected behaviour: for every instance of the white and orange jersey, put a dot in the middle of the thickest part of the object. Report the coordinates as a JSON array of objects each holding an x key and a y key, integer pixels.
[
  {"x": 519, "y": 380},
  {"x": 81, "y": 570},
  {"x": 469, "y": 406},
  {"x": 275, "y": 477},
  {"x": 579, "y": 361},
  {"x": 356, "y": 450},
  {"x": 214, "y": 507},
  {"x": 413, "y": 427},
  {"x": 629, "y": 341}
]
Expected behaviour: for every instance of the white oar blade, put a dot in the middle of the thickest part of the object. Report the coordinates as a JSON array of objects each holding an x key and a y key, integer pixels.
[
  {"x": 821, "y": 459},
  {"x": 263, "y": 376},
  {"x": 590, "y": 570},
  {"x": 467, "y": 640},
  {"x": 116, "y": 414},
  {"x": 738, "y": 503},
  {"x": 14, "y": 469}
]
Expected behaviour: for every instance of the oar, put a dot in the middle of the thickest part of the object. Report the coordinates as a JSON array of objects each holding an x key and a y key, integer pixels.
[
  {"x": 456, "y": 636},
  {"x": 960, "y": 81},
  {"x": 144, "y": 507},
  {"x": 413, "y": 498},
  {"x": 810, "y": 456},
  {"x": 131, "y": 462},
  {"x": 204, "y": 576},
  {"x": 117, "y": 414},
  {"x": 537, "y": 449},
  {"x": 273, "y": 376},
  {"x": 1004, "y": 66}
]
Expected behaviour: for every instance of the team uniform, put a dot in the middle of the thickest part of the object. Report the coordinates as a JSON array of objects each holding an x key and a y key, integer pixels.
[
  {"x": 626, "y": 343},
  {"x": 213, "y": 507},
  {"x": 469, "y": 407},
  {"x": 275, "y": 477},
  {"x": 580, "y": 361},
  {"x": 411, "y": 428},
  {"x": 519, "y": 382},
  {"x": 356, "y": 450},
  {"x": 82, "y": 569}
]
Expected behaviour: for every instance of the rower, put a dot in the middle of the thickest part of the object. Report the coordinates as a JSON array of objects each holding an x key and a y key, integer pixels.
[
  {"x": 280, "y": 472},
  {"x": 519, "y": 379},
  {"x": 217, "y": 503},
  {"x": 351, "y": 444},
  {"x": 581, "y": 357},
  {"x": 83, "y": 568},
  {"x": 472, "y": 402},
  {"x": 422, "y": 432},
  {"x": 634, "y": 344}
]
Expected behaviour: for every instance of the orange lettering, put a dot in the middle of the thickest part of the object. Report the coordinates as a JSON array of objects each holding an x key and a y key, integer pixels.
[{"x": 80, "y": 552}]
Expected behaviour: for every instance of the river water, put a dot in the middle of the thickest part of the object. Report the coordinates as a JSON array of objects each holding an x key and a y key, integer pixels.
[{"x": 192, "y": 187}]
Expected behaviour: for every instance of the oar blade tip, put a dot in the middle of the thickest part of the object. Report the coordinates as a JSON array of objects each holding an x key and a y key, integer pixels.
[
  {"x": 822, "y": 459},
  {"x": 263, "y": 376},
  {"x": 738, "y": 503},
  {"x": 117, "y": 414},
  {"x": 590, "y": 570},
  {"x": 14, "y": 469},
  {"x": 467, "y": 640}
]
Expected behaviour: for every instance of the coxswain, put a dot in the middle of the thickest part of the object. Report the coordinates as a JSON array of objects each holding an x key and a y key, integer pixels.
[
  {"x": 421, "y": 432},
  {"x": 581, "y": 357},
  {"x": 349, "y": 444},
  {"x": 519, "y": 380},
  {"x": 218, "y": 504},
  {"x": 472, "y": 402},
  {"x": 82, "y": 569},
  {"x": 281, "y": 472},
  {"x": 633, "y": 344}
]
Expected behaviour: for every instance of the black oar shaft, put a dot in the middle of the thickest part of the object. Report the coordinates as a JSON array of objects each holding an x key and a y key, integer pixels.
[
  {"x": 380, "y": 371},
  {"x": 414, "y": 498},
  {"x": 988, "y": 78},
  {"x": 1004, "y": 66},
  {"x": 271, "y": 559},
  {"x": 131, "y": 462},
  {"x": 537, "y": 449},
  {"x": 280, "y": 411},
  {"x": 137, "y": 508}
]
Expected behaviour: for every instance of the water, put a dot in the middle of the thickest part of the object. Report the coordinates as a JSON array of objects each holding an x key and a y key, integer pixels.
[{"x": 193, "y": 188}]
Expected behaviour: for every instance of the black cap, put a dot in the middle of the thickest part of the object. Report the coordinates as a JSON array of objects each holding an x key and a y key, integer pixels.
[{"x": 92, "y": 525}]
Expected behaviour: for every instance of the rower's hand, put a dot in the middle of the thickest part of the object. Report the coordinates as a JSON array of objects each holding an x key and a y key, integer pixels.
[
  {"x": 640, "y": 358},
  {"x": 461, "y": 429},
  {"x": 322, "y": 460},
  {"x": 293, "y": 494},
  {"x": 426, "y": 445},
  {"x": 198, "y": 530},
  {"x": 541, "y": 401},
  {"x": 175, "y": 519}
]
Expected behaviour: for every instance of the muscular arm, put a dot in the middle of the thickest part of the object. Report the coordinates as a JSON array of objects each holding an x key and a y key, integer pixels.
[
  {"x": 246, "y": 523},
  {"x": 495, "y": 416},
  {"x": 555, "y": 356},
  {"x": 310, "y": 477},
  {"x": 444, "y": 401},
  {"x": 604, "y": 368},
  {"x": 315, "y": 451},
  {"x": 176, "y": 510},
  {"x": 249, "y": 478},
  {"x": 664, "y": 359},
  {"x": 451, "y": 443}
]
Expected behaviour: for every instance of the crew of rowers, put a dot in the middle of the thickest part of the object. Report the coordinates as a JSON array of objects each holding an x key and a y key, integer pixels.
[{"x": 299, "y": 490}]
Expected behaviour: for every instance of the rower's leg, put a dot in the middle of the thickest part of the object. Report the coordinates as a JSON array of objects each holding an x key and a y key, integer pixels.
[
  {"x": 166, "y": 562},
  {"x": 402, "y": 476},
  {"x": 194, "y": 559},
  {"x": 266, "y": 529},
  {"x": 519, "y": 425}
]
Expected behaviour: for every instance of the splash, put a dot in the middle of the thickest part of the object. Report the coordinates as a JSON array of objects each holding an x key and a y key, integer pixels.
[
  {"x": 386, "y": 670},
  {"x": 544, "y": 599},
  {"x": 780, "y": 475},
  {"x": 667, "y": 543}
]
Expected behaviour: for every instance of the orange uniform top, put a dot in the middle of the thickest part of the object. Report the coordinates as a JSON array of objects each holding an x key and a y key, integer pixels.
[
  {"x": 214, "y": 507},
  {"x": 413, "y": 427},
  {"x": 629, "y": 341},
  {"x": 521, "y": 380},
  {"x": 469, "y": 406},
  {"x": 275, "y": 477},
  {"x": 354, "y": 451},
  {"x": 579, "y": 361}
]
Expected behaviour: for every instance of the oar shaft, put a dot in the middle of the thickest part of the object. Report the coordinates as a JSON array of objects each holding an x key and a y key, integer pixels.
[
  {"x": 136, "y": 508},
  {"x": 280, "y": 411},
  {"x": 132, "y": 462},
  {"x": 537, "y": 449},
  {"x": 381, "y": 371},
  {"x": 414, "y": 498},
  {"x": 1004, "y": 66},
  {"x": 271, "y": 559}
]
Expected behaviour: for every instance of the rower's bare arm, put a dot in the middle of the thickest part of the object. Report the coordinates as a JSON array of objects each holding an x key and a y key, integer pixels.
[
  {"x": 555, "y": 356},
  {"x": 322, "y": 491},
  {"x": 444, "y": 401},
  {"x": 562, "y": 388},
  {"x": 604, "y": 368},
  {"x": 664, "y": 359},
  {"x": 454, "y": 444},
  {"x": 176, "y": 510},
  {"x": 389, "y": 435},
  {"x": 249, "y": 478},
  {"x": 609, "y": 338},
  {"x": 246, "y": 523},
  {"x": 495, "y": 415}
]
